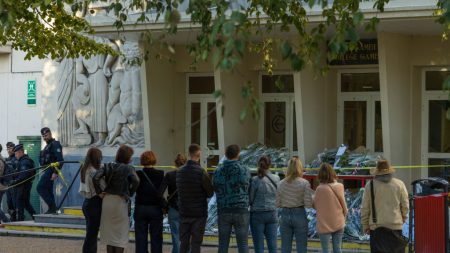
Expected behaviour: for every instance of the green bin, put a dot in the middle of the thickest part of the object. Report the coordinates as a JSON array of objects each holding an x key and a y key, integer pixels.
[{"x": 32, "y": 147}]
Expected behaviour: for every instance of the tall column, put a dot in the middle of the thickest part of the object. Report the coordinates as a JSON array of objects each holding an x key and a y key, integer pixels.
[{"x": 396, "y": 92}]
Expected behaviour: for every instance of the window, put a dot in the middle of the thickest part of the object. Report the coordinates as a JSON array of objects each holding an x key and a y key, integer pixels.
[{"x": 359, "y": 110}]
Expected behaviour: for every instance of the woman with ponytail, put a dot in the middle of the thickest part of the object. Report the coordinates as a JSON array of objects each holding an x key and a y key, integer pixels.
[{"x": 263, "y": 210}]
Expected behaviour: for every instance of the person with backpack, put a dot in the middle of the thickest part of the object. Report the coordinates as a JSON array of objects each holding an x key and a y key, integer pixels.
[
  {"x": 23, "y": 182},
  {"x": 263, "y": 208},
  {"x": 3, "y": 168}
]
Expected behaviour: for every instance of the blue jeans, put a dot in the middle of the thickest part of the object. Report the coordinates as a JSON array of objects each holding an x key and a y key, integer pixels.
[
  {"x": 264, "y": 223},
  {"x": 3, "y": 217},
  {"x": 240, "y": 222},
  {"x": 293, "y": 222},
  {"x": 174, "y": 223},
  {"x": 45, "y": 190},
  {"x": 336, "y": 241}
]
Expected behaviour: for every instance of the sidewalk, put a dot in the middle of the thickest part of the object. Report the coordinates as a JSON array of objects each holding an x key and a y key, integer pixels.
[{"x": 13, "y": 244}]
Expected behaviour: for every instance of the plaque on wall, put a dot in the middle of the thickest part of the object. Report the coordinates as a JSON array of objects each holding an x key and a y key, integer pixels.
[{"x": 366, "y": 53}]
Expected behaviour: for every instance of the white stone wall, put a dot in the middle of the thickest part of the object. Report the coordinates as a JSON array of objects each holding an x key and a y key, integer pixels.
[{"x": 16, "y": 117}]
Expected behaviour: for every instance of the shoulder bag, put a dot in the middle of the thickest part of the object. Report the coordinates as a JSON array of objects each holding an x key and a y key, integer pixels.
[
  {"x": 384, "y": 239},
  {"x": 339, "y": 199}
]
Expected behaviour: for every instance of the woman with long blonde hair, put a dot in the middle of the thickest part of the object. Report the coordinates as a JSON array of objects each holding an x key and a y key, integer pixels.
[{"x": 293, "y": 195}]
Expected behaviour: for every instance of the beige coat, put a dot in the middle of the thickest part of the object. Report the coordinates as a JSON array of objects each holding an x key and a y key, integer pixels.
[{"x": 391, "y": 203}]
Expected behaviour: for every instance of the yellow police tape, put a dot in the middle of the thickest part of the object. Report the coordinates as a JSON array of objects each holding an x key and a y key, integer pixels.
[
  {"x": 58, "y": 171},
  {"x": 28, "y": 179}
]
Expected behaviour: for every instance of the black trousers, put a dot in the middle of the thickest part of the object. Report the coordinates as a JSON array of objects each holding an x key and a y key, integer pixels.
[
  {"x": 92, "y": 210},
  {"x": 191, "y": 234},
  {"x": 148, "y": 219},
  {"x": 377, "y": 238},
  {"x": 23, "y": 201},
  {"x": 11, "y": 201}
]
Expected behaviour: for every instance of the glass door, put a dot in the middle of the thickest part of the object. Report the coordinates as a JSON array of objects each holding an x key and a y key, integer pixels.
[
  {"x": 202, "y": 119},
  {"x": 278, "y": 123},
  {"x": 359, "y": 111},
  {"x": 436, "y": 126}
]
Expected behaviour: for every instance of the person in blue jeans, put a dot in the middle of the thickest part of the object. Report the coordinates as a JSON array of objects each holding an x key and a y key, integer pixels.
[
  {"x": 294, "y": 194},
  {"x": 231, "y": 184},
  {"x": 263, "y": 209},
  {"x": 170, "y": 183}
]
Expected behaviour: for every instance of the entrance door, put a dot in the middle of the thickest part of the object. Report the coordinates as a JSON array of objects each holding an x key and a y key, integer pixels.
[
  {"x": 202, "y": 119},
  {"x": 278, "y": 123},
  {"x": 359, "y": 110},
  {"x": 436, "y": 126}
]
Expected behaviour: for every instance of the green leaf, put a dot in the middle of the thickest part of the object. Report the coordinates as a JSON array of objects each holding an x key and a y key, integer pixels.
[
  {"x": 286, "y": 50},
  {"x": 218, "y": 94},
  {"x": 358, "y": 17},
  {"x": 228, "y": 29},
  {"x": 446, "y": 85},
  {"x": 297, "y": 62}
]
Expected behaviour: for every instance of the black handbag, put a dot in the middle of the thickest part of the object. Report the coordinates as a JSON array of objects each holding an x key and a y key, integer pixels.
[{"x": 384, "y": 239}]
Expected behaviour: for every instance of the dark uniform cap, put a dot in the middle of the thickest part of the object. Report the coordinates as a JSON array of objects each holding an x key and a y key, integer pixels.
[
  {"x": 18, "y": 147},
  {"x": 45, "y": 130},
  {"x": 10, "y": 145}
]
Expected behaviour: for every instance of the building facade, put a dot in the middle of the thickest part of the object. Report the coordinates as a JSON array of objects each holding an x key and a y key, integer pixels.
[{"x": 386, "y": 97}]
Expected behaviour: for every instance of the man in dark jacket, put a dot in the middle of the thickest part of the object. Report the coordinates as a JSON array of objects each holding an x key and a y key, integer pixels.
[
  {"x": 194, "y": 189},
  {"x": 25, "y": 181},
  {"x": 231, "y": 184},
  {"x": 11, "y": 169},
  {"x": 50, "y": 154},
  {"x": 3, "y": 168}
]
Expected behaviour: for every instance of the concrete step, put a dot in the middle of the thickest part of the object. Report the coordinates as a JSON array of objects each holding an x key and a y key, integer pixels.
[
  {"x": 60, "y": 219},
  {"x": 73, "y": 210},
  {"x": 30, "y": 228}
]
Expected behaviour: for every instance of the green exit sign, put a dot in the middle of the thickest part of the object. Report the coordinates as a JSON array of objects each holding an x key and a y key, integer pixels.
[{"x": 31, "y": 92}]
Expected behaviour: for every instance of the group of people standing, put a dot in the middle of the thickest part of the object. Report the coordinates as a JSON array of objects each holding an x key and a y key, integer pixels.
[{"x": 17, "y": 173}]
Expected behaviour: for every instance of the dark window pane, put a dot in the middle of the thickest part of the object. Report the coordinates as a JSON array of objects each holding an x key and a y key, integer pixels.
[
  {"x": 360, "y": 82},
  {"x": 211, "y": 128},
  {"x": 195, "y": 123},
  {"x": 439, "y": 172},
  {"x": 278, "y": 84},
  {"x": 201, "y": 84},
  {"x": 294, "y": 141},
  {"x": 275, "y": 124},
  {"x": 355, "y": 117},
  {"x": 438, "y": 127},
  {"x": 378, "y": 128},
  {"x": 434, "y": 80}
]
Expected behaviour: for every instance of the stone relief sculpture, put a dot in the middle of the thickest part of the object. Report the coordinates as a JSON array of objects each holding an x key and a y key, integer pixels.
[
  {"x": 104, "y": 96},
  {"x": 124, "y": 107},
  {"x": 66, "y": 86}
]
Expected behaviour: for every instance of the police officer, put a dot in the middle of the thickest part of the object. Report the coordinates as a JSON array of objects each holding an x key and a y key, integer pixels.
[
  {"x": 23, "y": 182},
  {"x": 50, "y": 154},
  {"x": 2, "y": 185},
  {"x": 11, "y": 168}
]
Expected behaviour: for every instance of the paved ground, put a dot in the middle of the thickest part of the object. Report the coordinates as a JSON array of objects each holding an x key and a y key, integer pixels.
[{"x": 11, "y": 244}]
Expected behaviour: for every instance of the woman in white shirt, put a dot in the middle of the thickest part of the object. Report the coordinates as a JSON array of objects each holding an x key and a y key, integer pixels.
[{"x": 92, "y": 205}]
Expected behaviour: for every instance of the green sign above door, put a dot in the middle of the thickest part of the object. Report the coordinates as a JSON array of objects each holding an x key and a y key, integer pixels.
[{"x": 31, "y": 92}]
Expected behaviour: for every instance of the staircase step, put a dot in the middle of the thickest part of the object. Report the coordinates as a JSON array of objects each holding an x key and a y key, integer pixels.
[
  {"x": 73, "y": 210},
  {"x": 60, "y": 219}
]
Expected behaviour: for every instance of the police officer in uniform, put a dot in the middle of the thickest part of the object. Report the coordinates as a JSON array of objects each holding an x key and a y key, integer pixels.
[
  {"x": 11, "y": 168},
  {"x": 2, "y": 185},
  {"x": 50, "y": 154},
  {"x": 23, "y": 182}
]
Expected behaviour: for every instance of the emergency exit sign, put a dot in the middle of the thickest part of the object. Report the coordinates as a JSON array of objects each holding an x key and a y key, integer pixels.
[{"x": 31, "y": 92}]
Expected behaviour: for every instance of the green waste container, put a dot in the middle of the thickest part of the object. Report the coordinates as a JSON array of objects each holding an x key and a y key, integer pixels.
[{"x": 32, "y": 147}]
